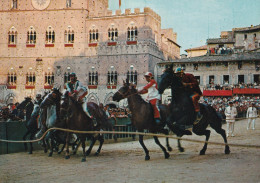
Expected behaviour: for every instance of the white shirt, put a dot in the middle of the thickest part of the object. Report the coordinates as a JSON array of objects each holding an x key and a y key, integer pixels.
[
  {"x": 251, "y": 112},
  {"x": 230, "y": 113}
]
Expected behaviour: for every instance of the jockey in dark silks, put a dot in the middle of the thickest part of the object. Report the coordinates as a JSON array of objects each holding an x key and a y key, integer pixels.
[
  {"x": 75, "y": 88},
  {"x": 191, "y": 85}
]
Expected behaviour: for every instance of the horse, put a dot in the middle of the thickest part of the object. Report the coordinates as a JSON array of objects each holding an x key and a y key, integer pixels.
[
  {"x": 30, "y": 123},
  {"x": 72, "y": 112},
  {"x": 142, "y": 115},
  {"x": 182, "y": 111}
]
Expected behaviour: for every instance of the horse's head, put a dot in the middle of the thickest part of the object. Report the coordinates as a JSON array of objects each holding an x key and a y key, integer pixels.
[
  {"x": 25, "y": 103},
  {"x": 166, "y": 79},
  {"x": 125, "y": 91}
]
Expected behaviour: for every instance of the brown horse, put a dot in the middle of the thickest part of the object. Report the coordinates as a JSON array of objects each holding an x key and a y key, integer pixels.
[{"x": 142, "y": 115}]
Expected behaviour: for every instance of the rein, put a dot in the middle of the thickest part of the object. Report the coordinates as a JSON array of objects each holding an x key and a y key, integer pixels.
[{"x": 126, "y": 95}]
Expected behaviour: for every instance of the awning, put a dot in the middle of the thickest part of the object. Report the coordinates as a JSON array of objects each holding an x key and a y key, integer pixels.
[
  {"x": 217, "y": 93},
  {"x": 246, "y": 91}
]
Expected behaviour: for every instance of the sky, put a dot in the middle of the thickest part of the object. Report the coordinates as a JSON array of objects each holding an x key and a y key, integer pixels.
[{"x": 197, "y": 20}]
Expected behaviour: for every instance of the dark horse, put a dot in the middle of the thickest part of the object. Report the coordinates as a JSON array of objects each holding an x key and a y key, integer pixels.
[
  {"x": 30, "y": 123},
  {"x": 142, "y": 115},
  {"x": 76, "y": 119},
  {"x": 182, "y": 111}
]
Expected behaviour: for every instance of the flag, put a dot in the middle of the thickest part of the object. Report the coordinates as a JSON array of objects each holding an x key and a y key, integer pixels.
[{"x": 119, "y": 3}]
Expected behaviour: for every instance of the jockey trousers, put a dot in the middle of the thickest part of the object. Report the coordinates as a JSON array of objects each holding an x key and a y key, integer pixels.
[
  {"x": 156, "y": 112},
  {"x": 195, "y": 99}
]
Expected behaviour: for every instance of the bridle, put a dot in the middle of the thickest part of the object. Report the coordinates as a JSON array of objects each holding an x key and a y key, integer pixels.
[{"x": 127, "y": 94}]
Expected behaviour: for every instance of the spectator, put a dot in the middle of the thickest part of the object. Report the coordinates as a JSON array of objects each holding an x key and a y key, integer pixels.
[
  {"x": 230, "y": 113},
  {"x": 251, "y": 115}
]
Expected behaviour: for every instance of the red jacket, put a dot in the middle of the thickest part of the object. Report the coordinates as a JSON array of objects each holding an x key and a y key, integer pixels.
[{"x": 192, "y": 83}]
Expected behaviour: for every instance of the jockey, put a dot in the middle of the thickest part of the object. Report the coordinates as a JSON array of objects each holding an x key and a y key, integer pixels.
[
  {"x": 192, "y": 86},
  {"x": 153, "y": 95},
  {"x": 75, "y": 88},
  {"x": 38, "y": 99}
]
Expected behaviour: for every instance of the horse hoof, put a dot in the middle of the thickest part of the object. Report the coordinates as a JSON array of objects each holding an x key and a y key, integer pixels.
[
  {"x": 67, "y": 157},
  {"x": 87, "y": 153},
  {"x": 227, "y": 151},
  {"x": 97, "y": 153},
  {"x": 147, "y": 157},
  {"x": 169, "y": 148},
  {"x": 202, "y": 152},
  {"x": 83, "y": 160},
  {"x": 167, "y": 155},
  {"x": 181, "y": 149}
]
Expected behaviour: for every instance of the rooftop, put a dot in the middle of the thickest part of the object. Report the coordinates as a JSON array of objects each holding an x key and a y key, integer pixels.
[{"x": 204, "y": 47}]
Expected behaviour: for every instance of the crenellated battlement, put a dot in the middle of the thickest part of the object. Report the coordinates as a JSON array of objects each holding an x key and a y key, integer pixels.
[{"x": 126, "y": 12}]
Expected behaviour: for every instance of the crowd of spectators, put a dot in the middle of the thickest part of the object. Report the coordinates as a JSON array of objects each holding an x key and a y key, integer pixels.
[
  {"x": 10, "y": 112},
  {"x": 226, "y": 86},
  {"x": 240, "y": 102},
  {"x": 221, "y": 51}
]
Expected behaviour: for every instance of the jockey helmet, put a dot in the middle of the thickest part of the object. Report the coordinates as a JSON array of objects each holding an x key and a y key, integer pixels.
[
  {"x": 149, "y": 74},
  {"x": 73, "y": 74},
  {"x": 179, "y": 70}
]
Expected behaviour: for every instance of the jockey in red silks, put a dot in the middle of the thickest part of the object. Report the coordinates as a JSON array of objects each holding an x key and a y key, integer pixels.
[
  {"x": 191, "y": 85},
  {"x": 153, "y": 95}
]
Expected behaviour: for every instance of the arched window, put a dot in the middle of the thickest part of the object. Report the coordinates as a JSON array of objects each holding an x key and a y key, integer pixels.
[
  {"x": 93, "y": 77},
  {"x": 50, "y": 36},
  {"x": 30, "y": 78},
  {"x": 112, "y": 34},
  {"x": 93, "y": 36},
  {"x": 132, "y": 33},
  {"x": 112, "y": 76},
  {"x": 132, "y": 75},
  {"x": 31, "y": 36},
  {"x": 49, "y": 79},
  {"x": 69, "y": 35},
  {"x": 12, "y": 36},
  {"x": 68, "y": 3},
  {"x": 11, "y": 81}
]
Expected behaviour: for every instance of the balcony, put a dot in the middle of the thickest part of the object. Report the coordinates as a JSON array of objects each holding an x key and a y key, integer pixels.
[
  {"x": 92, "y": 44},
  {"x": 111, "y": 86},
  {"x": 68, "y": 45},
  {"x": 29, "y": 86},
  {"x": 92, "y": 86},
  {"x": 49, "y": 45},
  {"x": 49, "y": 87},
  {"x": 11, "y": 45},
  {"x": 131, "y": 42},
  {"x": 111, "y": 43},
  {"x": 11, "y": 86}
]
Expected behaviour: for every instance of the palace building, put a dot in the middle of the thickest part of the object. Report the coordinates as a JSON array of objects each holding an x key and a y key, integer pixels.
[
  {"x": 42, "y": 41},
  {"x": 229, "y": 65}
]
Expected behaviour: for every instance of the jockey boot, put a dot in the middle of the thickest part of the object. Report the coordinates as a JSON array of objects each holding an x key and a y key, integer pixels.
[{"x": 198, "y": 117}]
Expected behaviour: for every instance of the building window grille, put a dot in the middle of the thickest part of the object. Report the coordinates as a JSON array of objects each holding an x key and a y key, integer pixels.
[
  {"x": 11, "y": 78},
  {"x": 195, "y": 66},
  {"x": 93, "y": 36},
  {"x": 49, "y": 79},
  {"x": 132, "y": 76},
  {"x": 66, "y": 77},
  {"x": 68, "y": 3},
  {"x": 50, "y": 36},
  {"x": 211, "y": 80},
  {"x": 31, "y": 36},
  {"x": 69, "y": 35},
  {"x": 132, "y": 34},
  {"x": 14, "y": 4},
  {"x": 112, "y": 34},
  {"x": 30, "y": 79},
  {"x": 226, "y": 79},
  {"x": 12, "y": 36},
  {"x": 93, "y": 78},
  {"x": 112, "y": 78},
  {"x": 241, "y": 79}
]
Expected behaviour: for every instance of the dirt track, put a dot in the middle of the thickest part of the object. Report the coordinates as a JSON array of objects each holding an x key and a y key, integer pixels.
[{"x": 124, "y": 162}]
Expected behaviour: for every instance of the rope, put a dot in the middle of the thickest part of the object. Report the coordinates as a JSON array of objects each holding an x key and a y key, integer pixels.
[{"x": 132, "y": 133}]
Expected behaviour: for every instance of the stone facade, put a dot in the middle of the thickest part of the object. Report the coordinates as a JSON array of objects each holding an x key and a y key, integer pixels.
[{"x": 75, "y": 36}]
